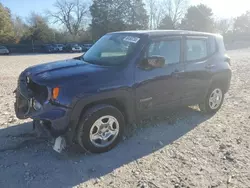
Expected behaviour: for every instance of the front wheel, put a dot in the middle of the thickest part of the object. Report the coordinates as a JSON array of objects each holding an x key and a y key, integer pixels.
[
  {"x": 100, "y": 128},
  {"x": 213, "y": 100}
]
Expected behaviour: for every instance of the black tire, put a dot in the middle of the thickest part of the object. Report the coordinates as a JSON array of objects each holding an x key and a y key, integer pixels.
[
  {"x": 88, "y": 119},
  {"x": 205, "y": 107}
]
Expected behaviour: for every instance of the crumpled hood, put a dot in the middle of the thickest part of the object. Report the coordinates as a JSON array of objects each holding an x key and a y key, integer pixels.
[{"x": 61, "y": 72}]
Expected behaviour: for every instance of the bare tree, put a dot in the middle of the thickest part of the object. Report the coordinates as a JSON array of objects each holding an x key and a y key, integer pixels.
[
  {"x": 34, "y": 18},
  {"x": 19, "y": 28},
  {"x": 160, "y": 9},
  {"x": 175, "y": 10},
  {"x": 223, "y": 26},
  {"x": 38, "y": 29},
  {"x": 156, "y": 12},
  {"x": 70, "y": 14},
  {"x": 151, "y": 10},
  {"x": 242, "y": 23}
]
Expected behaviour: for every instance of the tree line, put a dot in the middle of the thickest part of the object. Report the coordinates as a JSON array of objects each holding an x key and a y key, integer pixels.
[{"x": 81, "y": 20}]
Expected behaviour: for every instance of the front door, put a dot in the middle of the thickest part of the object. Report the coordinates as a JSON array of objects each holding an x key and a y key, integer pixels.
[{"x": 158, "y": 88}]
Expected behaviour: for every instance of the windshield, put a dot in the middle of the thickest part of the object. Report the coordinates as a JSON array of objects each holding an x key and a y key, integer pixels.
[{"x": 111, "y": 49}]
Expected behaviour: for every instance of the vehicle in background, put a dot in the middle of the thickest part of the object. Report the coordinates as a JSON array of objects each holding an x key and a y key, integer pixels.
[
  {"x": 58, "y": 47},
  {"x": 86, "y": 47},
  {"x": 72, "y": 48},
  {"x": 48, "y": 48},
  {"x": 4, "y": 50}
]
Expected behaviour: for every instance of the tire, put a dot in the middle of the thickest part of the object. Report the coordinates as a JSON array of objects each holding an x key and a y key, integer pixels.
[
  {"x": 88, "y": 128},
  {"x": 207, "y": 106}
]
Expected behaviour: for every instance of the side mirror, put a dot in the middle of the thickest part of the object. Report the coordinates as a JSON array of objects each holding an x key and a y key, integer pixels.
[{"x": 153, "y": 62}]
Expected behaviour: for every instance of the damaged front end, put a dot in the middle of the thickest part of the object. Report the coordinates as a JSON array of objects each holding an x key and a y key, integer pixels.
[
  {"x": 47, "y": 94},
  {"x": 34, "y": 101},
  {"x": 30, "y": 97}
]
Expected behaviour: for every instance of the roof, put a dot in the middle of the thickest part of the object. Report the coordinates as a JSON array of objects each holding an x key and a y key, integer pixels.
[{"x": 166, "y": 32}]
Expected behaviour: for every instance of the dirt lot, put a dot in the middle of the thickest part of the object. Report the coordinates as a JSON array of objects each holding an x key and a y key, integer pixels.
[{"x": 181, "y": 149}]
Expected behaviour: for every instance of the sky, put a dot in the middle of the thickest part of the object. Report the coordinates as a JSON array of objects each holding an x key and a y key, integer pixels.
[{"x": 221, "y": 8}]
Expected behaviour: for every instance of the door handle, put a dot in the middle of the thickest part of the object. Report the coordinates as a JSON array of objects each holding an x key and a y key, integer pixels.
[{"x": 210, "y": 66}]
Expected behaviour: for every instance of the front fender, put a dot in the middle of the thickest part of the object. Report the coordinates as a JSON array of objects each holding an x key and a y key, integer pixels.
[{"x": 124, "y": 96}]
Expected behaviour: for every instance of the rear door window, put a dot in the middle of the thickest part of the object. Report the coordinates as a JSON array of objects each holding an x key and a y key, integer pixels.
[{"x": 196, "y": 49}]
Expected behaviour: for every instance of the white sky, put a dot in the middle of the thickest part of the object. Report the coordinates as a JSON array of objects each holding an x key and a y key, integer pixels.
[{"x": 226, "y": 8}]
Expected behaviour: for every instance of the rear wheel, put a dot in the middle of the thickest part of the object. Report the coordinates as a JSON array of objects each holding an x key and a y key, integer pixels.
[
  {"x": 100, "y": 128},
  {"x": 213, "y": 100}
]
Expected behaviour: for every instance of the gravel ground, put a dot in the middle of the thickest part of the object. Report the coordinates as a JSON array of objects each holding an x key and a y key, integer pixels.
[{"x": 179, "y": 149}]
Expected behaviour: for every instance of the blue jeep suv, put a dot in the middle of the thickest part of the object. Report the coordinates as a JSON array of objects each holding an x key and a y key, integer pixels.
[{"x": 124, "y": 76}]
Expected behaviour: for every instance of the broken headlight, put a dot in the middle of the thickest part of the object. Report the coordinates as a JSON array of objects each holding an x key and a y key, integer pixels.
[{"x": 36, "y": 105}]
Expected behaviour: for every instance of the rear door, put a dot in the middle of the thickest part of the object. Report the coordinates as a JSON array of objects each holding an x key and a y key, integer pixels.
[{"x": 197, "y": 76}]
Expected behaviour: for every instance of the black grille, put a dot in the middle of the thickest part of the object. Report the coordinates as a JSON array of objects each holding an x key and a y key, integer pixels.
[
  {"x": 39, "y": 92},
  {"x": 22, "y": 104}
]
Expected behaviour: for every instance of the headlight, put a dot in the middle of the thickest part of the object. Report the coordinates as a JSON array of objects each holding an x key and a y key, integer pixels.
[{"x": 36, "y": 105}]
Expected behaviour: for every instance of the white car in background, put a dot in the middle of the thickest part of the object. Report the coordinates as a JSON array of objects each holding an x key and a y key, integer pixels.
[
  {"x": 4, "y": 50},
  {"x": 72, "y": 48}
]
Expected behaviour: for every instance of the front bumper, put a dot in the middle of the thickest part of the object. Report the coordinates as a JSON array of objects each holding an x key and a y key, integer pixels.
[{"x": 54, "y": 119}]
